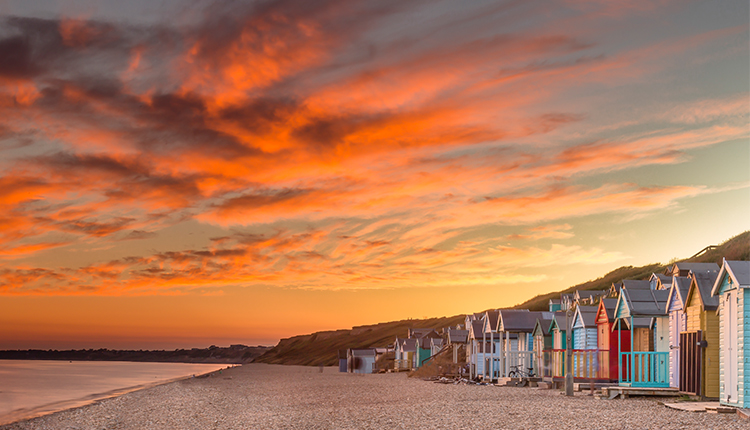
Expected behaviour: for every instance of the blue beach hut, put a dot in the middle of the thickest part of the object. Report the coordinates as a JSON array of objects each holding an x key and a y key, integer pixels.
[{"x": 732, "y": 286}]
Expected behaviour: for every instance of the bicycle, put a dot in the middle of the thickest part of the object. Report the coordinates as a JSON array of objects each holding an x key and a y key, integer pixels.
[{"x": 515, "y": 372}]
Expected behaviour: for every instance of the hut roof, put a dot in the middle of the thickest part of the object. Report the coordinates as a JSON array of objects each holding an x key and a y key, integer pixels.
[
  {"x": 609, "y": 307},
  {"x": 458, "y": 336},
  {"x": 520, "y": 320},
  {"x": 492, "y": 319},
  {"x": 586, "y": 315},
  {"x": 702, "y": 284},
  {"x": 739, "y": 271},
  {"x": 477, "y": 327},
  {"x": 682, "y": 269},
  {"x": 363, "y": 352},
  {"x": 409, "y": 345},
  {"x": 645, "y": 302},
  {"x": 634, "y": 284}
]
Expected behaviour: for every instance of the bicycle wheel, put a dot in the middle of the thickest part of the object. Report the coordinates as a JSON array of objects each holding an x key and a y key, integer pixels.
[{"x": 513, "y": 374}]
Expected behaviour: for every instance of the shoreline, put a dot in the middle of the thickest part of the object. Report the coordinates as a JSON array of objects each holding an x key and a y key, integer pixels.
[
  {"x": 300, "y": 397},
  {"x": 20, "y": 415}
]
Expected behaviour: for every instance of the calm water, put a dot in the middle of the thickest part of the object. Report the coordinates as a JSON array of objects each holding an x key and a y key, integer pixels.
[{"x": 34, "y": 387}]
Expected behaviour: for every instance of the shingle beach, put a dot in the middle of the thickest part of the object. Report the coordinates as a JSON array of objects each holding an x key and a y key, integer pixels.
[{"x": 259, "y": 396}]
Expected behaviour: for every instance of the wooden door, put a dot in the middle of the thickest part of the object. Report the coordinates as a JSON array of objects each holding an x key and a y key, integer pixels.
[
  {"x": 690, "y": 362},
  {"x": 729, "y": 346}
]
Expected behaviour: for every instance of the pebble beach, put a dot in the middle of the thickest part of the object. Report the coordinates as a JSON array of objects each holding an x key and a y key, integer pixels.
[{"x": 259, "y": 396}]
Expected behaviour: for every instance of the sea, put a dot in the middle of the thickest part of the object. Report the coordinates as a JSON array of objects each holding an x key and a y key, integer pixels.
[{"x": 30, "y": 388}]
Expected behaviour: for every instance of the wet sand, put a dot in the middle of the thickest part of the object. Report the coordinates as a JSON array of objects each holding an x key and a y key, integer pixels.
[{"x": 259, "y": 396}]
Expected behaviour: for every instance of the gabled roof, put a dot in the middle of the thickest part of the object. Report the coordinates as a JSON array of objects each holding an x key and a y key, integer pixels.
[
  {"x": 608, "y": 306},
  {"x": 682, "y": 269},
  {"x": 558, "y": 321},
  {"x": 633, "y": 284},
  {"x": 409, "y": 345},
  {"x": 739, "y": 271},
  {"x": 641, "y": 302},
  {"x": 422, "y": 332},
  {"x": 542, "y": 326},
  {"x": 661, "y": 281},
  {"x": 476, "y": 329},
  {"x": 702, "y": 283},
  {"x": 680, "y": 288},
  {"x": 436, "y": 342},
  {"x": 520, "y": 320},
  {"x": 585, "y": 316},
  {"x": 458, "y": 336},
  {"x": 492, "y": 318}
]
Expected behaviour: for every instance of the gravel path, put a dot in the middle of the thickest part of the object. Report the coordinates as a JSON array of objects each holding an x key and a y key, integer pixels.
[{"x": 259, "y": 396}]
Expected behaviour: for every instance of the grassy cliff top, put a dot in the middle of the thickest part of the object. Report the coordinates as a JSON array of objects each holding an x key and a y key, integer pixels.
[{"x": 322, "y": 348}]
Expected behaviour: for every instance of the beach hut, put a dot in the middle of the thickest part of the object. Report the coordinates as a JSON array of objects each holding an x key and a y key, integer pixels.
[
  {"x": 609, "y": 344},
  {"x": 361, "y": 360},
  {"x": 491, "y": 340},
  {"x": 542, "y": 342},
  {"x": 515, "y": 327},
  {"x": 588, "y": 297},
  {"x": 436, "y": 345},
  {"x": 660, "y": 281},
  {"x": 699, "y": 343},
  {"x": 584, "y": 328},
  {"x": 637, "y": 305},
  {"x": 732, "y": 287},
  {"x": 476, "y": 348},
  {"x": 556, "y": 355},
  {"x": 554, "y": 305},
  {"x": 584, "y": 336},
  {"x": 457, "y": 338},
  {"x": 677, "y": 324},
  {"x": 684, "y": 269}
]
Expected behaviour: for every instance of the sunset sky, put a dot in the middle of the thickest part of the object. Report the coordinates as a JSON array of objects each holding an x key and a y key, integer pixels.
[{"x": 181, "y": 174}]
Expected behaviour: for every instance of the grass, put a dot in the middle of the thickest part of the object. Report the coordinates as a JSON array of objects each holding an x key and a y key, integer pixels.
[{"x": 322, "y": 348}]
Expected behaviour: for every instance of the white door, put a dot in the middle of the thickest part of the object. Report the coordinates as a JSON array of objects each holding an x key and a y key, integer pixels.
[
  {"x": 729, "y": 346},
  {"x": 674, "y": 348}
]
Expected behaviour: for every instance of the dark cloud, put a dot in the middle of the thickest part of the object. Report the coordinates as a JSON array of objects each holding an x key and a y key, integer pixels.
[
  {"x": 94, "y": 228},
  {"x": 263, "y": 198},
  {"x": 139, "y": 234},
  {"x": 15, "y": 59}
]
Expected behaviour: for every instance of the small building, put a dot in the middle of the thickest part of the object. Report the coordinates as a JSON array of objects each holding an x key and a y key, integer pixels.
[
  {"x": 589, "y": 297},
  {"x": 608, "y": 339},
  {"x": 732, "y": 287},
  {"x": 660, "y": 281},
  {"x": 518, "y": 352},
  {"x": 699, "y": 343},
  {"x": 436, "y": 345},
  {"x": 405, "y": 351},
  {"x": 555, "y": 305},
  {"x": 542, "y": 342},
  {"x": 677, "y": 324},
  {"x": 477, "y": 346},
  {"x": 456, "y": 339},
  {"x": 361, "y": 360},
  {"x": 636, "y": 305},
  {"x": 584, "y": 328},
  {"x": 586, "y": 358},
  {"x": 556, "y": 355}
]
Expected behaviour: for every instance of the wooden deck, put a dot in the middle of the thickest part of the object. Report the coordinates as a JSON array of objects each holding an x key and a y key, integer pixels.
[{"x": 625, "y": 392}]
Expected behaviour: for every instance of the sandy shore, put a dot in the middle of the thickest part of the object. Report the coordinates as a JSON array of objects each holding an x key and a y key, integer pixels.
[{"x": 261, "y": 396}]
